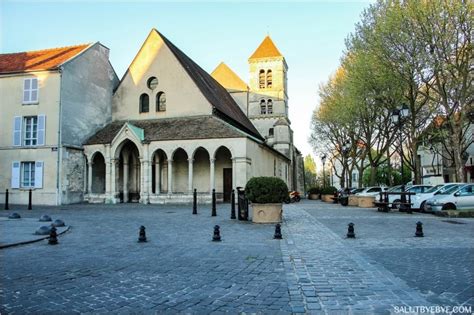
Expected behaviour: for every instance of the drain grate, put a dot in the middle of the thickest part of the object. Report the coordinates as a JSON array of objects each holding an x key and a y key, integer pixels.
[
  {"x": 170, "y": 212},
  {"x": 453, "y": 222}
]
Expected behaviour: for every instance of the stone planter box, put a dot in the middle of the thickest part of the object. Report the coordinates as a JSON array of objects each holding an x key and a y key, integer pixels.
[
  {"x": 366, "y": 201},
  {"x": 266, "y": 212},
  {"x": 327, "y": 198},
  {"x": 353, "y": 201},
  {"x": 313, "y": 196}
]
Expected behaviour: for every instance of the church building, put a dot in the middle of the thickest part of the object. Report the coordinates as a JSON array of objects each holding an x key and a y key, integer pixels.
[{"x": 171, "y": 128}]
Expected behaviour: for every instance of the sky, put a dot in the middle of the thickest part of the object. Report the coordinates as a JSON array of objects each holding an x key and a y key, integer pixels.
[{"x": 310, "y": 35}]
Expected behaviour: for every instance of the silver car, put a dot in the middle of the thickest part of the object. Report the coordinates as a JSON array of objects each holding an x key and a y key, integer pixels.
[
  {"x": 453, "y": 199},
  {"x": 419, "y": 200}
]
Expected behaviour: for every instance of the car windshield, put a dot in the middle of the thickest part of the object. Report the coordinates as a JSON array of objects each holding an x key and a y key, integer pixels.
[
  {"x": 434, "y": 189},
  {"x": 449, "y": 190},
  {"x": 395, "y": 189},
  {"x": 358, "y": 190}
]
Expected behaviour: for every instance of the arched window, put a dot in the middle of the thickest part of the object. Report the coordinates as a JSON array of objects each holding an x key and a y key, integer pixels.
[
  {"x": 263, "y": 107},
  {"x": 160, "y": 102},
  {"x": 269, "y": 78},
  {"x": 270, "y": 132},
  {"x": 261, "y": 79},
  {"x": 269, "y": 107},
  {"x": 144, "y": 103}
]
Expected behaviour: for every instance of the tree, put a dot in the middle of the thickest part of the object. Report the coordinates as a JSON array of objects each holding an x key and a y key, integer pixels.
[{"x": 310, "y": 172}]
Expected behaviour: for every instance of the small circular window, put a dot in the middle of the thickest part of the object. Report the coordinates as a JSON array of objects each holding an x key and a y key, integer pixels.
[{"x": 152, "y": 83}]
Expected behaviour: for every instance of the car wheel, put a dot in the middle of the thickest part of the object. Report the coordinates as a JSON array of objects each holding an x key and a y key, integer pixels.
[
  {"x": 396, "y": 204},
  {"x": 422, "y": 207},
  {"x": 449, "y": 206}
]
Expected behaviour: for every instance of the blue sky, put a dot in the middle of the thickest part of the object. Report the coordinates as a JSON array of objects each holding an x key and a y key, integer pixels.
[{"x": 310, "y": 34}]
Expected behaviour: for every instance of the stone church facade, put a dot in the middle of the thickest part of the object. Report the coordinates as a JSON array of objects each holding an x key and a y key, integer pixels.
[{"x": 172, "y": 128}]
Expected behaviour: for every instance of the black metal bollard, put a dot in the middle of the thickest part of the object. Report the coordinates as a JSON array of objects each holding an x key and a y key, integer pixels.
[
  {"x": 142, "y": 235},
  {"x": 419, "y": 229},
  {"x": 30, "y": 197},
  {"x": 6, "y": 200},
  {"x": 195, "y": 211},
  {"x": 53, "y": 237},
  {"x": 232, "y": 205},
  {"x": 277, "y": 234},
  {"x": 214, "y": 203},
  {"x": 350, "y": 231},
  {"x": 217, "y": 234}
]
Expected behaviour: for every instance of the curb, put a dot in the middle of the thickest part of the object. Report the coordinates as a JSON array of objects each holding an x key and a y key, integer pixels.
[{"x": 32, "y": 241}]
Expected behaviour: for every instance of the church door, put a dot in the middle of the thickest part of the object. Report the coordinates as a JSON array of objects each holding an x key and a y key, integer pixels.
[{"x": 227, "y": 184}]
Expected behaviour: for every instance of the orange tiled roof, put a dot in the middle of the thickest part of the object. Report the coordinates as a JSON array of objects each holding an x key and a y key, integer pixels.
[
  {"x": 266, "y": 49},
  {"x": 47, "y": 59},
  {"x": 228, "y": 78}
]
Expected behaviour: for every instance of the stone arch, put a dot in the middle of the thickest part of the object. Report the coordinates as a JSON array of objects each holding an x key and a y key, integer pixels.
[
  {"x": 201, "y": 169},
  {"x": 223, "y": 147},
  {"x": 223, "y": 172},
  {"x": 116, "y": 149},
  {"x": 98, "y": 173},
  {"x": 129, "y": 171},
  {"x": 159, "y": 171},
  {"x": 180, "y": 170}
]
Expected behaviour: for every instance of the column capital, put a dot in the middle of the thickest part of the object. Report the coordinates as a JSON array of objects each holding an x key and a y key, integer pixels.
[
  {"x": 212, "y": 160},
  {"x": 170, "y": 161}
]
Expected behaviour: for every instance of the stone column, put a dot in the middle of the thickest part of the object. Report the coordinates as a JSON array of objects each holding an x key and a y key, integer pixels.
[
  {"x": 170, "y": 176},
  {"x": 125, "y": 181},
  {"x": 113, "y": 180},
  {"x": 212, "y": 172},
  {"x": 89, "y": 177},
  {"x": 157, "y": 177},
  {"x": 145, "y": 180},
  {"x": 190, "y": 176},
  {"x": 234, "y": 163}
]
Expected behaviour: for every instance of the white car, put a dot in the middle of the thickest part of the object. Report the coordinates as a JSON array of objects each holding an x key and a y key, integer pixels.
[
  {"x": 419, "y": 200},
  {"x": 456, "y": 198},
  {"x": 417, "y": 189},
  {"x": 371, "y": 191}
]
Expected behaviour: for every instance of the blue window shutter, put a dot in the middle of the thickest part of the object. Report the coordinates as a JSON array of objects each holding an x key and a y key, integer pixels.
[
  {"x": 38, "y": 174},
  {"x": 16, "y": 174},
  {"x": 41, "y": 129},
  {"x": 17, "y": 131}
]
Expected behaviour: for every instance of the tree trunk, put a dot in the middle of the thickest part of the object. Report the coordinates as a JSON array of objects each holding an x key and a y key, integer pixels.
[{"x": 373, "y": 175}]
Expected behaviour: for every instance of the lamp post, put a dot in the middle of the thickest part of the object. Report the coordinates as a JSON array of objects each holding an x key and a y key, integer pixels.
[
  {"x": 346, "y": 147},
  {"x": 397, "y": 118},
  {"x": 323, "y": 159},
  {"x": 433, "y": 152}
]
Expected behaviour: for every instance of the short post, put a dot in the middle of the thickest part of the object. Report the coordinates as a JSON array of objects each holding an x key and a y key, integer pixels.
[
  {"x": 30, "y": 197},
  {"x": 277, "y": 234},
  {"x": 142, "y": 235},
  {"x": 217, "y": 234},
  {"x": 232, "y": 204},
  {"x": 6, "y": 200},
  {"x": 195, "y": 201},
  {"x": 419, "y": 229},
  {"x": 409, "y": 204},
  {"x": 350, "y": 231},
  {"x": 214, "y": 203},
  {"x": 53, "y": 237}
]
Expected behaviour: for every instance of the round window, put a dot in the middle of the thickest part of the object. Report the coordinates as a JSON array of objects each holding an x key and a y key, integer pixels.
[{"x": 152, "y": 83}]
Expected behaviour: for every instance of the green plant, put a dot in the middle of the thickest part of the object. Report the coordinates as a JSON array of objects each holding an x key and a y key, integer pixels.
[
  {"x": 266, "y": 190},
  {"x": 330, "y": 190},
  {"x": 314, "y": 190}
]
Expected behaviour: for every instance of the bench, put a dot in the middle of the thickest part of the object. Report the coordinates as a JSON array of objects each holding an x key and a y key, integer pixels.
[{"x": 383, "y": 205}]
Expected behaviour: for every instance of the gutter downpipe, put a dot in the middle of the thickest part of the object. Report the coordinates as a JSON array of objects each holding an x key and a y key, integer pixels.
[{"x": 59, "y": 161}]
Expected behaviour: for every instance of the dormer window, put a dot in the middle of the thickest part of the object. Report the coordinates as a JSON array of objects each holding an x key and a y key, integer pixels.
[
  {"x": 30, "y": 91},
  {"x": 144, "y": 103}
]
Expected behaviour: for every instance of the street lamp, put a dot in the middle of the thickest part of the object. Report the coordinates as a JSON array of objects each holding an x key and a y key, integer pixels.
[
  {"x": 346, "y": 147},
  {"x": 397, "y": 118},
  {"x": 323, "y": 159}
]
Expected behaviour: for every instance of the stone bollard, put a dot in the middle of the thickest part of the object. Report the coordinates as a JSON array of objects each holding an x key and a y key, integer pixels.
[
  {"x": 14, "y": 215},
  {"x": 419, "y": 229},
  {"x": 142, "y": 235},
  {"x": 277, "y": 234},
  {"x": 217, "y": 234},
  {"x": 350, "y": 231},
  {"x": 45, "y": 218},
  {"x": 232, "y": 205},
  {"x": 214, "y": 203},
  {"x": 30, "y": 197},
  {"x": 53, "y": 237},
  {"x": 195, "y": 211},
  {"x": 6, "y": 200}
]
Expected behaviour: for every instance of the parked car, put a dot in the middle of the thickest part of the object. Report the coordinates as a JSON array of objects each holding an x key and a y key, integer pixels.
[
  {"x": 455, "y": 198},
  {"x": 371, "y": 191},
  {"x": 419, "y": 200},
  {"x": 417, "y": 189}
]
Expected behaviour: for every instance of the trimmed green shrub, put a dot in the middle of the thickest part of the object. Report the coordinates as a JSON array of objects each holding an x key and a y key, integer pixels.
[
  {"x": 266, "y": 190},
  {"x": 314, "y": 191},
  {"x": 328, "y": 190}
]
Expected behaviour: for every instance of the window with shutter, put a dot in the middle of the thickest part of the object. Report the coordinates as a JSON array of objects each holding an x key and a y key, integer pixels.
[
  {"x": 30, "y": 130},
  {"x": 28, "y": 174},
  {"x": 30, "y": 91}
]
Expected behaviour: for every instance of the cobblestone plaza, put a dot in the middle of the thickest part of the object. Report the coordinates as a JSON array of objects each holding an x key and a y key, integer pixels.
[{"x": 99, "y": 267}]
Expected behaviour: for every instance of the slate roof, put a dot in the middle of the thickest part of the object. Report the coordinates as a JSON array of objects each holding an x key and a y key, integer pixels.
[
  {"x": 228, "y": 78},
  {"x": 203, "y": 127},
  {"x": 38, "y": 60},
  {"x": 215, "y": 93},
  {"x": 267, "y": 49}
]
